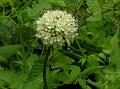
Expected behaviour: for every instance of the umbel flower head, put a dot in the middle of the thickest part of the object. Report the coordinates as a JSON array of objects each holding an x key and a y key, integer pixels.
[{"x": 56, "y": 27}]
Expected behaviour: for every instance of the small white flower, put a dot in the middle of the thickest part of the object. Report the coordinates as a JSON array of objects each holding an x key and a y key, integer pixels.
[{"x": 56, "y": 27}]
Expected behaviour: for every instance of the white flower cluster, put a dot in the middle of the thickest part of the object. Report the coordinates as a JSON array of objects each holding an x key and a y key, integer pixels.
[{"x": 56, "y": 28}]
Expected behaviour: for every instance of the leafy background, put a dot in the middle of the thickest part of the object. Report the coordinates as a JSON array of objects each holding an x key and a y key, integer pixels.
[{"x": 91, "y": 62}]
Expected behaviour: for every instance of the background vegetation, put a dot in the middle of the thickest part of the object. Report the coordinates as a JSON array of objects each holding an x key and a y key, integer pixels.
[{"x": 91, "y": 62}]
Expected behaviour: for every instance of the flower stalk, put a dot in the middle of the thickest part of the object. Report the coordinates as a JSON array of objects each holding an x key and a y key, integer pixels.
[
  {"x": 48, "y": 57},
  {"x": 55, "y": 29}
]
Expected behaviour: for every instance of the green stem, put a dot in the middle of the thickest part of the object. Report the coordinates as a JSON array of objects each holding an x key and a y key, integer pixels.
[
  {"x": 44, "y": 74},
  {"x": 20, "y": 27},
  {"x": 80, "y": 49},
  {"x": 48, "y": 56}
]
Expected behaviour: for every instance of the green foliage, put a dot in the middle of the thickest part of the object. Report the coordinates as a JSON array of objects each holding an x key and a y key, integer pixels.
[
  {"x": 12, "y": 79},
  {"x": 34, "y": 12},
  {"x": 57, "y": 2},
  {"x": 115, "y": 57},
  {"x": 70, "y": 72},
  {"x": 36, "y": 70},
  {"x": 37, "y": 83},
  {"x": 92, "y": 61},
  {"x": 7, "y": 51}
]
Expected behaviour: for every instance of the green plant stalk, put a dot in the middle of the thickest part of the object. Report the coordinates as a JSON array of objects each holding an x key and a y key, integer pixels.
[
  {"x": 44, "y": 74},
  {"x": 20, "y": 26},
  {"x": 48, "y": 56}
]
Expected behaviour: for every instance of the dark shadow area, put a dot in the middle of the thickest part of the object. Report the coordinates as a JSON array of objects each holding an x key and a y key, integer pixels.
[{"x": 70, "y": 86}]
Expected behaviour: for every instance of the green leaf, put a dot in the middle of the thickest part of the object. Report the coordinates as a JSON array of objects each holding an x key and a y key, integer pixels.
[
  {"x": 5, "y": 1},
  {"x": 114, "y": 40},
  {"x": 4, "y": 32},
  {"x": 116, "y": 1},
  {"x": 63, "y": 76},
  {"x": 107, "y": 51},
  {"x": 37, "y": 83},
  {"x": 2, "y": 59},
  {"x": 38, "y": 9},
  {"x": 36, "y": 70},
  {"x": 74, "y": 72},
  {"x": 16, "y": 80},
  {"x": 52, "y": 79},
  {"x": 1, "y": 4},
  {"x": 9, "y": 50},
  {"x": 31, "y": 60},
  {"x": 57, "y": 2},
  {"x": 11, "y": 2},
  {"x": 93, "y": 60},
  {"x": 108, "y": 15},
  {"x": 99, "y": 84},
  {"x": 93, "y": 5},
  {"x": 7, "y": 29},
  {"x": 83, "y": 83},
  {"x": 71, "y": 6},
  {"x": 61, "y": 60},
  {"x": 96, "y": 16},
  {"x": 115, "y": 49},
  {"x": 69, "y": 75},
  {"x": 91, "y": 70},
  {"x": 102, "y": 55},
  {"x": 101, "y": 2}
]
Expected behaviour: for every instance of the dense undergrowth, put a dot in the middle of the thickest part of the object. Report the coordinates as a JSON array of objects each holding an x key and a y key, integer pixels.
[{"x": 91, "y": 62}]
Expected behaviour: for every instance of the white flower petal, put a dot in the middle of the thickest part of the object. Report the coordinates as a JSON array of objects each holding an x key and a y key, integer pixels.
[{"x": 53, "y": 26}]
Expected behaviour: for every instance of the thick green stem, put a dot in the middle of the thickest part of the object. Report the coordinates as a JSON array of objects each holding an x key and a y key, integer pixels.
[
  {"x": 44, "y": 74},
  {"x": 48, "y": 56}
]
